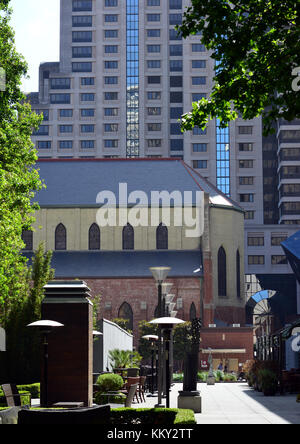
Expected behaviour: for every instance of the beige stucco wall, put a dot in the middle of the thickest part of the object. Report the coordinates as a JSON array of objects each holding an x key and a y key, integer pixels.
[
  {"x": 78, "y": 221},
  {"x": 227, "y": 231}
]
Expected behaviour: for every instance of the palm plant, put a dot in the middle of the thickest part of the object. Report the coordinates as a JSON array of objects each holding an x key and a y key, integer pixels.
[{"x": 124, "y": 358}]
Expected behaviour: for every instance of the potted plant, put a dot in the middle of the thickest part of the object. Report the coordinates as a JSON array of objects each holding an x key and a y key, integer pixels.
[{"x": 268, "y": 381}]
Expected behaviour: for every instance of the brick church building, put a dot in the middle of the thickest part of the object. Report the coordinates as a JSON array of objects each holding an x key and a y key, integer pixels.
[{"x": 108, "y": 221}]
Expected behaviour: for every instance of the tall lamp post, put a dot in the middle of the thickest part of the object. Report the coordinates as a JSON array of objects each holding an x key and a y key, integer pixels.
[
  {"x": 160, "y": 274},
  {"x": 45, "y": 327},
  {"x": 167, "y": 324},
  {"x": 153, "y": 339}
]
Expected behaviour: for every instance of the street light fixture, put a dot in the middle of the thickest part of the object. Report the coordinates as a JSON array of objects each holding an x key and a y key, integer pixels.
[
  {"x": 159, "y": 274},
  {"x": 45, "y": 327},
  {"x": 167, "y": 324}
]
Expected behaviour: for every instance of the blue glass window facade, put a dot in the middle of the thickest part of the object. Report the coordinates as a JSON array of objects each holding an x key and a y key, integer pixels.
[
  {"x": 132, "y": 59},
  {"x": 223, "y": 158}
]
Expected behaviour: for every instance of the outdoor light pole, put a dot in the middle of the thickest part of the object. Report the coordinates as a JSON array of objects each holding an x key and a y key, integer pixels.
[
  {"x": 167, "y": 324},
  {"x": 160, "y": 274},
  {"x": 45, "y": 327}
]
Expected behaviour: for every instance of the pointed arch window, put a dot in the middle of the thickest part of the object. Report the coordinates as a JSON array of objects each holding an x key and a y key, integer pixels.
[
  {"x": 238, "y": 274},
  {"x": 125, "y": 312},
  {"x": 193, "y": 312},
  {"x": 162, "y": 237},
  {"x": 94, "y": 237},
  {"x": 128, "y": 237},
  {"x": 222, "y": 273},
  {"x": 60, "y": 237},
  {"x": 27, "y": 238}
]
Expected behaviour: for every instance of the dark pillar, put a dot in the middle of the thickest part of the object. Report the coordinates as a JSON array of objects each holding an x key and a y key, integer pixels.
[{"x": 70, "y": 349}]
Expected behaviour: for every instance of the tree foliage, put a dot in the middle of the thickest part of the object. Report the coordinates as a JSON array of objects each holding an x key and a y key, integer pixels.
[
  {"x": 256, "y": 47},
  {"x": 18, "y": 178},
  {"x": 145, "y": 328},
  {"x": 21, "y": 362}
]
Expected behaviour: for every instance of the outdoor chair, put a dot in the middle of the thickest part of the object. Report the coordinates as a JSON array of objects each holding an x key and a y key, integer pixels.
[
  {"x": 141, "y": 388},
  {"x": 131, "y": 394},
  {"x": 12, "y": 395},
  {"x": 129, "y": 383},
  {"x": 129, "y": 398}
]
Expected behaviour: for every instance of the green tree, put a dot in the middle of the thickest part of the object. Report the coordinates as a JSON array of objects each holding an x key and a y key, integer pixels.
[
  {"x": 21, "y": 362},
  {"x": 182, "y": 339},
  {"x": 123, "y": 323},
  {"x": 18, "y": 179},
  {"x": 145, "y": 328},
  {"x": 256, "y": 46}
]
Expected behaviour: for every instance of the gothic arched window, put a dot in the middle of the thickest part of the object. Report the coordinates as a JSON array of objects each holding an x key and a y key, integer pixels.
[
  {"x": 27, "y": 238},
  {"x": 128, "y": 237},
  {"x": 238, "y": 274},
  {"x": 94, "y": 237},
  {"x": 125, "y": 312},
  {"x": 193, "y": 312},
  {"x": 162, "y": 237},
  {"x": 60, "y": 237},
  {"x": 222, "y": 273}
]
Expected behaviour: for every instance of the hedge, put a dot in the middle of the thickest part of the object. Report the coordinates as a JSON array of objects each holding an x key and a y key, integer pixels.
[
  {"x": 156, "y": 416},
  {"x": 32, "y": 390},
  {"x": 148, "y": 416}
]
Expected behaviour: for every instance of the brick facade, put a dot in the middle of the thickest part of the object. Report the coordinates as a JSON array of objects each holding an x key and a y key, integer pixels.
[
  {"x": 239, "y": 340},
  {"x": 134, "y": 291}
]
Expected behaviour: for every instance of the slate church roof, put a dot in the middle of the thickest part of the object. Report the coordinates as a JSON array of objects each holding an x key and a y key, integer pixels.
[{"x": 77, "y": 182}]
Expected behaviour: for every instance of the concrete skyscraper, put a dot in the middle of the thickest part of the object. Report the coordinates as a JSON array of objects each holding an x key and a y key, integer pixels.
[{"x": 123, "y": 80}]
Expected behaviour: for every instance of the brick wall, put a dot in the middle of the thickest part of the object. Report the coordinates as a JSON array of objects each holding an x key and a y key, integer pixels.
[
  {"x": 228, "y": 338},
  {"x": 134, "y": 291}
]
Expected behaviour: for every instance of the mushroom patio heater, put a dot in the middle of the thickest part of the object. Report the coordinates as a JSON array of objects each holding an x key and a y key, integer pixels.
[
  {"x": 152, "y": 339},
  {"x": 45, "y": 327},
  {"x": 159, "y": 274}
]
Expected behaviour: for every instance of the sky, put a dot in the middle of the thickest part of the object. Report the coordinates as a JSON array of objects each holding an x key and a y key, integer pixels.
[{"x": 36, "y": 26}]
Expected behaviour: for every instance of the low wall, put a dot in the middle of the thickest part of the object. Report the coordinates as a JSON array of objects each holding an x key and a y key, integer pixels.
[{"x": 113, "y": 337}]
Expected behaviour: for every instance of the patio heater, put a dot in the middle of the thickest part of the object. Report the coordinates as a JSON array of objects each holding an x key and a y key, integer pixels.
[
  {"x": 152, "y": 339},
  {"x": 159, "y": 274},
  {"x": 166, "y": 325},
  {"x": 45, "y": 327}
]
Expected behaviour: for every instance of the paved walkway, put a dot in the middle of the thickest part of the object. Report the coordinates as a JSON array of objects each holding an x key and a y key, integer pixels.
[{"x": 238, "y": 404}]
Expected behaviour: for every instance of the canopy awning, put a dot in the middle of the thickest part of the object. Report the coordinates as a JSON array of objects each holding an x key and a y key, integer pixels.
[
  {"x": 288, "y": 331},
  {"x": 224, "y": 350}
]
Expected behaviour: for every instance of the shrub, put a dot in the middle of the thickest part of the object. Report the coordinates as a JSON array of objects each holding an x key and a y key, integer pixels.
[
  {"x": 25, "y": 398},
  {"x": 110, "y": 383},
  {"x": 202, "y": 376},
  {"x": 252, "y": 369},
  {"x": 152, "y": 416},
  {"x": 230, "y": 377},
  {"x": 178, "y": 377},
  {"x": 33, "y": 389},
  {"x": 268, "y": 381},
  {"x": 101, "y": 399}
]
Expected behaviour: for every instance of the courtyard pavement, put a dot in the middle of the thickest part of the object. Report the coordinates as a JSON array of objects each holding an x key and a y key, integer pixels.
[{"x": 237, "y": 403}]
